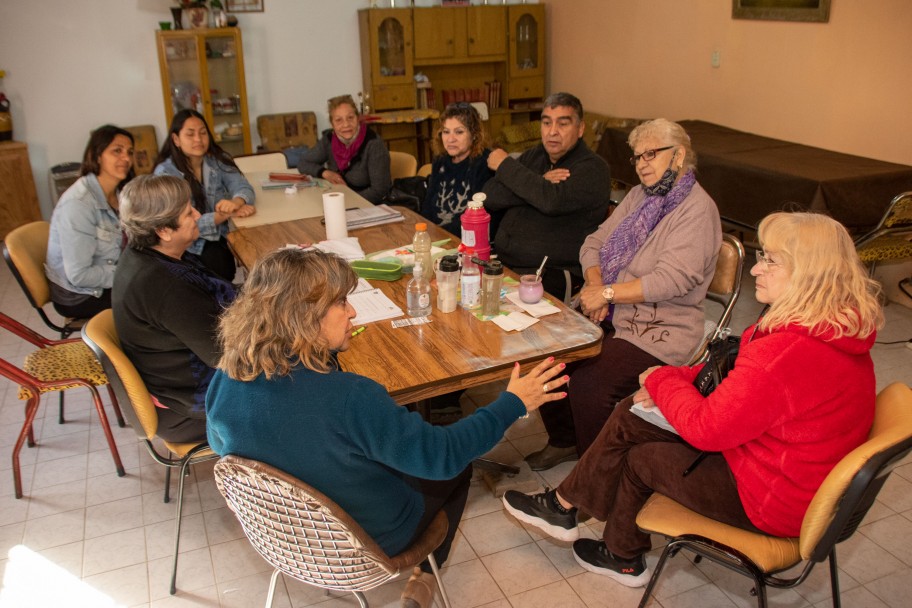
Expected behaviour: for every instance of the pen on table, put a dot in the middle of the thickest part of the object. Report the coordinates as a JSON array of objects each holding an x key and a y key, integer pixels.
[{"x": 359, "y": 330}]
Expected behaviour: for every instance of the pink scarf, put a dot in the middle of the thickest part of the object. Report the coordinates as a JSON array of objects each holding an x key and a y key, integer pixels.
[{"x": 345, "y": 153}]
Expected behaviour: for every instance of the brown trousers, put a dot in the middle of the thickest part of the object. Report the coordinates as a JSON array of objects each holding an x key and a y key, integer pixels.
[
  {"x": 596, "y": 385},
  {"x": 631, "y": 459}
]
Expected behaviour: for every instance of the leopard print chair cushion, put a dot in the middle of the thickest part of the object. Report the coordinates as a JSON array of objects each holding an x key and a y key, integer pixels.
[
  {"x": 885, "y": 248},
  {"x": 70, "y": 360}
]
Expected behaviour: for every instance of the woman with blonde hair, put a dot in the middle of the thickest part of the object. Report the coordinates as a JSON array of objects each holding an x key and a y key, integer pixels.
[
  {"x": 800, "y": 397},
  {"x": 349, "y": 153},
  {"x": 280, "y": 397}
]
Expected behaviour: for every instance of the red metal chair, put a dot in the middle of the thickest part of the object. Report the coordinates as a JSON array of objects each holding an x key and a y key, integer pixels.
[{"x": 56, "y": 365}]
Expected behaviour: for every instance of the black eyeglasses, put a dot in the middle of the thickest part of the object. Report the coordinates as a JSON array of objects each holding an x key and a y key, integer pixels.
[{"x": 647, "y": 155}]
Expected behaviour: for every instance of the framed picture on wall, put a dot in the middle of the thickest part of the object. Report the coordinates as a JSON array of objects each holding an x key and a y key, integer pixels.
[
  {"x": 244, "y": 6},
  {"x": 782, "y": 10}
]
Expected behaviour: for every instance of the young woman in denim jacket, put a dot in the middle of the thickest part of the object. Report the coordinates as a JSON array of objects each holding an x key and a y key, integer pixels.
[
  {"x": 85, "y": 239},
  {"x": 219, "y": 189}
]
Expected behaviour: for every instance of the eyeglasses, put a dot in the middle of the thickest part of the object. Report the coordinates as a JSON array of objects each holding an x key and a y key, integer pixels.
[
  {"x": 763, "y": 259},
  {"x": 647, "y": 155}
]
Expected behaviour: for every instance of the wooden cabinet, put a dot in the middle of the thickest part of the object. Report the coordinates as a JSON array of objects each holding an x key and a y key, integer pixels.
[
  {"x": 18, "y": 198},
  {"x": 387, "y": 58},
  {"x": 204, "y": 70},
  {"x": 459, "y": 34}
]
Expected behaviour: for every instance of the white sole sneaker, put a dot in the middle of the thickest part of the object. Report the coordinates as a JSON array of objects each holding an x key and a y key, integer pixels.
[
  {"x": 568, "y": 535},
  {"x": 628, "y": 580}
]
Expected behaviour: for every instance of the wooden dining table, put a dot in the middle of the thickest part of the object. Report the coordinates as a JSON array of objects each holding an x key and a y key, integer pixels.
[{"x": 455, "y": 350}]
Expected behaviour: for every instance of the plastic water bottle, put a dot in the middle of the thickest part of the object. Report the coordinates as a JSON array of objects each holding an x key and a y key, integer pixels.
[
  {"x": 421, "y": 245},
  {"x": 490, "y": 288},
  {"x": 476, "y": 226},
  {"x": 470, "y": 282},
  {"x": 418, "y": 293}
]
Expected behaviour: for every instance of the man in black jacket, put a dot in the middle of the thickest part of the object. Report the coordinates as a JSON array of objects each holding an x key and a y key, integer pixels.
[{"x": 549, "y": 199}]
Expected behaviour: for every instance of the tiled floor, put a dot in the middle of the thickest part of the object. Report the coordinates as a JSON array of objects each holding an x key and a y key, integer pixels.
[{"x": 85, "y": 537}]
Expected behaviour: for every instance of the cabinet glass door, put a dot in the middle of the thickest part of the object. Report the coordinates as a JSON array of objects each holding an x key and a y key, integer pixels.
[
  {"x": 526, "y": 43},
  {"x": 225, "y": 93},
  {"x": 184, "y": 74},
  {"x": 391, "y": 43}
]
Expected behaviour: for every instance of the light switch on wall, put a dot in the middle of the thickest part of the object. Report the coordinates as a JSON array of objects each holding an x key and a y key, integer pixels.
[{"x": 716, "y": 59}]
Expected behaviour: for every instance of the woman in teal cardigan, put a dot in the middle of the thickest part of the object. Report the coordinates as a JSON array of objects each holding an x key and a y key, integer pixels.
[{"x": 279, "y": 397}]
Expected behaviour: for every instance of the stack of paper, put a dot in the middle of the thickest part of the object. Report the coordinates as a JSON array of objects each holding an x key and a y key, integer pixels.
[
  {"x": 372, "y": 305},
  {"x": 371, "y": 216}
]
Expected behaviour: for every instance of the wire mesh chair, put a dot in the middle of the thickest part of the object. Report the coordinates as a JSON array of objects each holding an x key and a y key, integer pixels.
[
  {"x": 889, "y": 241},
  {"x": 305, "y": 535}
]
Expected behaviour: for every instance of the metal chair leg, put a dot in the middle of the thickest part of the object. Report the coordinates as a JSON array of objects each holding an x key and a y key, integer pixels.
[
  {"x": 106, "y": 427},
  {"x": 167, "y": 485},
  {"x": 362, "y": 601},
  {"x": 272, "y": 585},
  {"x": 834, "y": 579},
  {"x": 60, "y": 419},
  {"x": 443, "y": 595},
  {"x": 120, "y": 419},
  {"x": 31, "y": 409},
  {"x": 177, "y": 533}
]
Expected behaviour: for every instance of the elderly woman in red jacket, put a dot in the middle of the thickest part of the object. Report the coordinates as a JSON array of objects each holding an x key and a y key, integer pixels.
[{"x": 800, "y": 397}]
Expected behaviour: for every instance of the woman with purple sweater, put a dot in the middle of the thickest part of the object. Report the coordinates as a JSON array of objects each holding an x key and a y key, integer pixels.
[{"x": 647, "y": 269}]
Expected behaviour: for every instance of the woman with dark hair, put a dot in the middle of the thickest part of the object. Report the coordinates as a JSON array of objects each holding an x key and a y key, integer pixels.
[
  {"x": 349, "y": 154},
  {"x": 461, "y": 167},
  {"x": 166, "y": 303},
  {"x": 219, "y": 189},
  {"x": 85, "y": 239},
  {"x": 280, "y": 397}
]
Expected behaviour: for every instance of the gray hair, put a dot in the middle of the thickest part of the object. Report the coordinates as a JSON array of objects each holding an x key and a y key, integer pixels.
[
  {"x": 669, "y": 133},
  {"x": 150, "y": 203},
  {"x": 565, "y": 100}
]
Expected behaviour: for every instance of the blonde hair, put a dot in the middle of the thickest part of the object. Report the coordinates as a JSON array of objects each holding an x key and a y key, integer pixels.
[
  {"x": 670, "y": 133},
  {"x": 275, "y": 323},
  {"x": 829, "y": 291}
]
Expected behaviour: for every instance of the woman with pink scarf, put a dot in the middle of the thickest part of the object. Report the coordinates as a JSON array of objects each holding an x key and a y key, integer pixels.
[{"x": 349, "y": 153}]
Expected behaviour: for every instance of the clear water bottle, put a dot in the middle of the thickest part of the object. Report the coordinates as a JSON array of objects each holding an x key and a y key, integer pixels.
[
  {"x": 470, "y": 282},
  {"x": 418, "y": 293},
  {"x": 490, "y": 288},
  {"x": 421, "y": 245}
]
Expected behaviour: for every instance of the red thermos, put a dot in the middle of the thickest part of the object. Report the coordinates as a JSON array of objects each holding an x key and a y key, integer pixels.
[{"x": 476, "y": 225}]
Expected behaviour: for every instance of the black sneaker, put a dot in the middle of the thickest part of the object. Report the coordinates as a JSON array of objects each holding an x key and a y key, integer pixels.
[
  {"x": 595, "y": 557},
  {"x": 543, "y": 512}
]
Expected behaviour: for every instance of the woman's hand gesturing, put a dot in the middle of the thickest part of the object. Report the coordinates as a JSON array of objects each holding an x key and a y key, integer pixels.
[{"x": 535, "y": 387}]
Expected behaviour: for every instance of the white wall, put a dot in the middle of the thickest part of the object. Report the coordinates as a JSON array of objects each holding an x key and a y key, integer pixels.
[{"x": 72, "y": 66}]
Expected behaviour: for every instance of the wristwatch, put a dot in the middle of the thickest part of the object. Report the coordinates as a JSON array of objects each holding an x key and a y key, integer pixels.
[{"x": 608, "y": 294}]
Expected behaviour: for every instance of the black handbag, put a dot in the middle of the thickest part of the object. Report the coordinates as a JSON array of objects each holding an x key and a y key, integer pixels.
[
  {"x": 407, "y": 192},
  {"x": 723, "y": 350}
]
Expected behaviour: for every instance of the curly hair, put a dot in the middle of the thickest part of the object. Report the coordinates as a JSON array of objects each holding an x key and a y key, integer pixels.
[
  {"x": 275, "y": 323},
  {"x": 829, "y": 290},
  {"x": 466, "y": 114}
]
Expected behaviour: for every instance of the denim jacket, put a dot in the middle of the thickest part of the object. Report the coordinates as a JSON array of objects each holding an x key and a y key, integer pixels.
[
  {"x": 220, "y": 182},
  {"x": 85, "y": 240}
]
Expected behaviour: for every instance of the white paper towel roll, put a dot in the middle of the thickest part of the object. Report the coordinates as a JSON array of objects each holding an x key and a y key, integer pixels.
[{"x": 334, "y": 214}]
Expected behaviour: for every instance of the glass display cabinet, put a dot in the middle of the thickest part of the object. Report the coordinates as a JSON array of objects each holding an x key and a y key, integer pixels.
[{"x": 204, "y": 70}]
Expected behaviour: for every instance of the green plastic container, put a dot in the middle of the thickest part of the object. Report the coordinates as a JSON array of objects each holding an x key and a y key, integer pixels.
[{"x": 377, "y": 271}]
